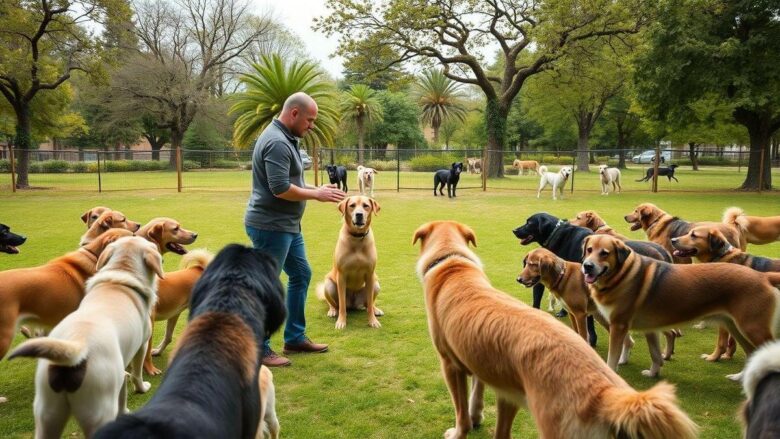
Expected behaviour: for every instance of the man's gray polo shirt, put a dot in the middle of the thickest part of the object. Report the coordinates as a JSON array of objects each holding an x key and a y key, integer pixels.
[{"x": 276, "y": 163}]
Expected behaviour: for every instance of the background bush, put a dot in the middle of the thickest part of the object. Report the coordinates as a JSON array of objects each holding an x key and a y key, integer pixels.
[{"x": 428, "y": 163}]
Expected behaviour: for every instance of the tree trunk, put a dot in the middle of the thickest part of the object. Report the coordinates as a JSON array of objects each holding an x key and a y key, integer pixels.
[
  {"x": 692, "y": 154},
  {"x": 23, "y": 145},
  {"x": 361, "y": 134},
  {"x": 495, "y": 124},
  {"x": 435, "y": 134},
  {"x": 582, "y": 145},
  {"x": 176, "y": 139},
  {"x": 759, "y": 128}
]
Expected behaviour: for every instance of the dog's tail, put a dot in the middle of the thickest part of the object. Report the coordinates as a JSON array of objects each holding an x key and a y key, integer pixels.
[
  {"x": 652, "y": 414},
  {"x": 542, "y": 169},
  {"x": 58, "y": 351},
  {"x": 734, "y": 216},
  {"x": 196, "y": 258},
  {"x": 763, "y": 362}
]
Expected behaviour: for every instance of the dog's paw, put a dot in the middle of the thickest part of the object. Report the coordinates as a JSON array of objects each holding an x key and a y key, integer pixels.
[
  {"x": 735, "y": 376},
  {"x": 622, "y": 361},
  {"x": 3, "y": 399},
  {"x": 378, "y": 312},
  {"x": 152, "y": 370},
  {"x": 341, "y": 323},
  {"x": 701, "y": 325},
  {"x": 710, "y": 357},
  {"x": 374, "y": 323},
  {"x": 727, "y": 356},
  {"x": 156, "y": 352},
  {"x": 649, "y": 373},
  {"x": 144, "y": 387},
  {"x": 332, "y": 312},
  {"x": 451, "y": 433}
]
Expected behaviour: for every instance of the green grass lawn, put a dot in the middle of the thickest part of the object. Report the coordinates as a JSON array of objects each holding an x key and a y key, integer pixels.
[{"x": 385, "y": 383}]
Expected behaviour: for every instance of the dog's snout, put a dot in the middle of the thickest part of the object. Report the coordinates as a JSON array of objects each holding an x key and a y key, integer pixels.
[
  {"x": 194, "y": 235},
  {"x": 674, "y": 240},
  {"x": 588, "y": 266},
  {"x": 519, "y": 279},
  {"x": 359, "y": 215}
]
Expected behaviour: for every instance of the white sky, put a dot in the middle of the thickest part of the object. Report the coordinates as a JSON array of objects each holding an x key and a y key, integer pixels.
[{"x": 298, "y": 16}]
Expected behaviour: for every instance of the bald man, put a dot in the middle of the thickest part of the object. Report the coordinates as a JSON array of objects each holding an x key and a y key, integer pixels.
[{"x": 273, "y": 215}]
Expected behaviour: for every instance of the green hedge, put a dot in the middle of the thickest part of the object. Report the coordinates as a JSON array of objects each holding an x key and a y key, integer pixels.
[
  {"x": 49, "y": 167},
  {"x": 427, "y": 163}
]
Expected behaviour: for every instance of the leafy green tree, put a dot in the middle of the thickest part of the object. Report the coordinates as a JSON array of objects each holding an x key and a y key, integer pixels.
[
  {"x": 266, "y": 89},
  {"x": 400, "y": 125},
  {"x": 361, "y": 105},
  {"x": 723, "y": 48},
  {"x": 370, "y": 67},
  {"x": 440, "y": 100},
  {"x": 42, "y": 43},
  {"x": 452, "y": 34}
]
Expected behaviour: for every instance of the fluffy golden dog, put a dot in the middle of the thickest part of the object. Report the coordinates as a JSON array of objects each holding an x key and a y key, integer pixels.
[
  {"x": 756, "y": 229},
  {"x": 352, "y": 282},
  {"x": 526, "y": 356},
  {"x": 592, "y": 221},
  {"x": 637, "y": 292}
]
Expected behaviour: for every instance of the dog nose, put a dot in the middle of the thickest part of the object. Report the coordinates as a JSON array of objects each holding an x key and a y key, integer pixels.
[
  {"x": 194, "y": 235},
  {"x": 519, "y": 279},
  {"x": 588, "y": 266},
  {"x": 359, "y": 215},
  {"x": 674, "y": 240}
]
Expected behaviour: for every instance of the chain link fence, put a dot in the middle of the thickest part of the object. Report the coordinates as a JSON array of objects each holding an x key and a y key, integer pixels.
[{"x": 406, "y": 169}]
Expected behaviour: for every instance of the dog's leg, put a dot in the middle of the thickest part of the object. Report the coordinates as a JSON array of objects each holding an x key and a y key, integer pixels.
[
  {"x": 377, "y": 312},
  {"x": 270, "y": 414},
  {"x": 136, "y": 373},
  {"x": 617, "y": 334},
  {"x": 551, "y": 303},
  {"x": 149, "y": 366},
  {"x": 341, "y": 289},
  {"x": 579, "y": 323},
  {"x": 675, "y": 178},
  {"x": 122, "y": 402},
  {"x": 476, "y": 401},
  {"x": 670, "y": 335},
  {"x": 505, "y": 416},
  {"x": 370, "y": 297},
  {"x": 655, "y": 354},
  {"x": 458, "y": 387},
  {"x": 51, "y": 414},
  {"x": 625, "y": 353},
  {"x": 8, "y": 319},
  {"x": 331, "y": 296},
  {"x": 749, "y": 335},
  {"x": 720, "y": 346},
  {"x": 731, "y": 349},
  {"x": 169, "y": 328}
]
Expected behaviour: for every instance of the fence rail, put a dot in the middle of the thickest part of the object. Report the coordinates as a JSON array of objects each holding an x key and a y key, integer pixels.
[{"x": 397, "y": 169}]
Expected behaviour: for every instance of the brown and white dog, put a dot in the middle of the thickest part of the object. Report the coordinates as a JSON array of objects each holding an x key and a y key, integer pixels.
[
  {"x": 636, "y": 292},
  {"x": 591, "y": 220},
  {"x": 526, "y": 356},
  {"x": 168, "y": 235},
  {"x": 82, "y": 364},
  {"x": 526, "y": 165},
  {"x": 89, "y": 217},
  {"x": 609, "y": 176},
  {"x": 269, "y": 423},
  {"x": 756, "y": 229},
  {"x": 709, "y": 245},
  {"x": 366, "y": 177},
  {"x": 352, "y": 282},
  {"x": 108, "y": 219}
]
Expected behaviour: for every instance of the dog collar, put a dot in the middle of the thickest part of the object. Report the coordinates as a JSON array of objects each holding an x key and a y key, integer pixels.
[
  {"x": 601, "y": 227},
  {"x": 723, "y": 255},
  {"x": 359, "y": 235},
  {"x": 653, "y": 223},
  {"x": 433, "y": 264},
  {"x": 554, "y": 232},
  {"x": 558, "y": 281}
]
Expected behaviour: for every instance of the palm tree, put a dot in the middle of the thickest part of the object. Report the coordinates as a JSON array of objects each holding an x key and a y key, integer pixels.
[
  {"x": 271, "y": 83},
  {"x": 360, "y": 104},
  {"x": 440, "y": 99}
]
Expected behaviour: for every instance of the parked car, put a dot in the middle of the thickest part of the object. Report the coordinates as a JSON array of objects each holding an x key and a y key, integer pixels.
[
  {"x": 649, "y": 156},
  {"x": 305, "y": 158}
]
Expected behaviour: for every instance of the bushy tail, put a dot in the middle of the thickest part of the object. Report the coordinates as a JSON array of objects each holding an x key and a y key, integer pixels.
[
  {"x": 62, "y": 352},
  {"x": 764, "y": 361},
  {"x": 196, "y": 258},
  {"x": 542, "y": 169},
  {"x": 652, "y": 414},
  {"x": 735, "y": 216}
]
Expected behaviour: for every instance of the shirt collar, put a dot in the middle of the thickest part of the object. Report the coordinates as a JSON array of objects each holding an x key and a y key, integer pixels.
[{"x": 285, "y": 131}]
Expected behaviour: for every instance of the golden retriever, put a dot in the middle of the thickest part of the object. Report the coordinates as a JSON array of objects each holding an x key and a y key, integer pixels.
[
  {"x": 82, "y": 364},
  {"x": 592, "y": 221},
  {"x": 526, "y": 356},
  {"x": 636, "y": 292},
  {"x": 168, "y": 235},
  {"x": 756, "y": 229},
  {"x": 709, "y": 245},
  {"x": 352, "y": 282},
  {"x": 109, "y": 219}
]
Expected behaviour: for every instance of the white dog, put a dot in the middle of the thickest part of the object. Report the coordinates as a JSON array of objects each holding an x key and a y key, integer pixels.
[
  {"x": 83, "y": 360},
  {"x": 269, "y": 423},
  {"x": 555, "y": 179},
  {"x": 609, "y": 175},
  {"x": 365, "y": 177}
]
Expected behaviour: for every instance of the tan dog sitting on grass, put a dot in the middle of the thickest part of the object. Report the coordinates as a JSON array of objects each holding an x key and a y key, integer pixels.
[{"x": 352, "y": 283}]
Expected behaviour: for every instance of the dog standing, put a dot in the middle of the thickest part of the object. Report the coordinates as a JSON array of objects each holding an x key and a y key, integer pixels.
[
  {"x": 762, "y": 389},
  {"x": 211, "y": 388},
  {"x": 474, "y": 165},
  {"x": 668, "y": 172},
  {"x": 526, "y": 165},
  {"x": 555, "y": 179},
  {"x": 352, "y": 282},
  {"x": 449, "y": 177},
  {"x": 9, "y": 241},
  {"x": 338, "y": 176},
  {"x": 366, "y": 177},
  {"x": 83, "y": 360},
  {"x": 609, "y": 176},
  {"x": 756, "y": 229},
  {"x": 527, "y": 356}
]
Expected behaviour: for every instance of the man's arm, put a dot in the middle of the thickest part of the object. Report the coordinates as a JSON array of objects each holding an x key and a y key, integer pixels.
[{"x": 322, "y": 193}]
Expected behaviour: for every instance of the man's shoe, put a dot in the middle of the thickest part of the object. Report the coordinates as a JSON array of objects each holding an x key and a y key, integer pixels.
[
  {"x": 272, "y": 359},
  {"x": 307, "y": 346}
]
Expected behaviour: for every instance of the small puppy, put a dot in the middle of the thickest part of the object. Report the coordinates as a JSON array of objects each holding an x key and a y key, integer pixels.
[
  {"x": 9, "y": 241},
  {"x": 352, "y": 282},
  {"x": 93, "y": 214},
  {"x": 269, "y": 423},
  {"x": 338, "y": 176},
  {"x": 756, "y": 229},
  {"x": 668, "y": 172},
  {"x": 449, "y": 177},
  {"x": 109, "y": 219},
  {"x": 366, "y": 178},
  {"x": 609, "y": 176},
  {"x": 212, "y": 388},
  {"x": 762, "y": 389},
  {"x": 555, "y": 179},
  {"x": 591, "y": 220},
  {"x": 168, "y": 235},
  {"x": 83, "y": 360}
]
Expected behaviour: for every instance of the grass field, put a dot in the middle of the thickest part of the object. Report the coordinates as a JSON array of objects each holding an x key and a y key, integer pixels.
[{"x": 385, "y": 383}]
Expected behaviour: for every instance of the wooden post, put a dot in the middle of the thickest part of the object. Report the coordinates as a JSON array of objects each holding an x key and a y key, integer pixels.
[
  {"x": 13, "y": 168},
  {"x": 656, "y": 163},
  {"x": 178, "y": 167}
]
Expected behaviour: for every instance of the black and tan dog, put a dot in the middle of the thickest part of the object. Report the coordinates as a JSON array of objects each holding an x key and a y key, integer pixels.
[
  {"x": 211, "y": 387},
  {"x": 10, "y": 241},
  {"x": 526, "y": 356},
  {"x": 661, "y": 227},
  {"x": 636, "y": 292},
  {"x": 762, "y": 389},
  {"x": 337, "y": 175},
  {"x": 709, "y": 245}
]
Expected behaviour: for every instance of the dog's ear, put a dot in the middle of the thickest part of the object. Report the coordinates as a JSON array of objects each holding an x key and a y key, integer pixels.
[
  {"x": 375, "y": 171},
  {"x": 453, "y": 164},
  {"x": 468, "y": 234},
  {"x": 422, "y": 232},
  {"x": 375, "y": 206},
  {"x": 107, "y": 222},
  {"x": 85, "y": 217},
  {"x": 343, "y": 205},
  {"x": 106, "y": 254},
  {"x": 153, "y": 260},
  {"x": 156, "y": 233},
  {"x": 717, "y": 242},
  {"x": 621, "y": 252},
  {"x": 584, "y": 246},
  {"x": 525, "y": 261}
]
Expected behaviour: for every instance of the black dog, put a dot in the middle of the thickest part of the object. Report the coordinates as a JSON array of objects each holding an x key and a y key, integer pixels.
[
  {"x": 668, "y": 172},
  {"x": 450, "y": 178},
  {"x": 9, "y": 240},
  {"x": 337, "y": 176},
  {"x": 211, "y": 387},
  {"x": 761, "y": 384},
  {"x": 565, "y": 240}
]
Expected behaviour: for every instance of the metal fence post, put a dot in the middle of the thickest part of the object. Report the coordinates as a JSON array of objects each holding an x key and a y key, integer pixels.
[
  {"x": 178, "y": 167},
  {"x": 484, "y": 168},
  {"x": 397, "y": 169},
  {"x": 13, "y": 168},
  {"x": 573, "y": 166},
  {"x": 316, "y": 158},
  {"x": 100, "y": 182}
]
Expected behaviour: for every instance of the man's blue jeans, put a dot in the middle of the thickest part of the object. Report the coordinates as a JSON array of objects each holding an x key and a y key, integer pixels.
[{"x": 290, "y": 253}]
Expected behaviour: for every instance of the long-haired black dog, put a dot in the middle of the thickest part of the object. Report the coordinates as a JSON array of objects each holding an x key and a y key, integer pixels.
[
  {"x": 210, "y": 389},
  {"x": 338, "y": 176},
  {"x": 9, "y": 241},
  {"x": 449, "y": 177}
]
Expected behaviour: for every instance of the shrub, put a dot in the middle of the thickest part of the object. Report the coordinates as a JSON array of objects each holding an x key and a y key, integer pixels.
[
  {"x": 48, "y": 167},
  {"x": 5, "y": 166},
  {"x": 383, "y": 165},
  {"x": 427, "y": 163},
  {"x": 228, "y": 164},
  {"x": 83, "y": 167},
  {"x": 188, "y": 165}
]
